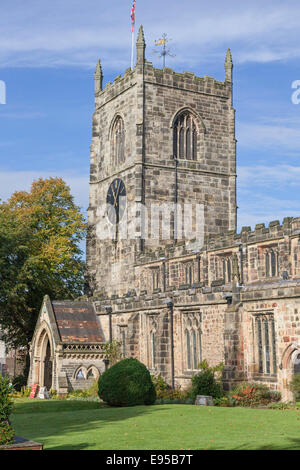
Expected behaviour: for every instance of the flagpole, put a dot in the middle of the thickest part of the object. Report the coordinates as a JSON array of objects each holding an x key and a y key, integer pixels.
[
  {"x": 132, "y": 33},
  {"x": 132, "y": 49}
]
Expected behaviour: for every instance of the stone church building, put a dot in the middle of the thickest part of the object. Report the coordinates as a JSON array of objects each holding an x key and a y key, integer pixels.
[{"x": 163, "y": 145}]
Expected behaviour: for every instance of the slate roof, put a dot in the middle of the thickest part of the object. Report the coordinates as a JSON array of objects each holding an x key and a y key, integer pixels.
[{"x": 77, "y": 322}]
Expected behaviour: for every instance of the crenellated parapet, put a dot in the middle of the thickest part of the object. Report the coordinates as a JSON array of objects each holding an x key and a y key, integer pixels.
[
  {"x": 166, "y": 76},
  {"x": 261, "y": 234},
  {"x": 186, "y": 81}
]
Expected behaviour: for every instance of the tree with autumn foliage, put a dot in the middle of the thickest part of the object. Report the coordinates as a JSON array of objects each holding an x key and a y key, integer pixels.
[{"x": 40, "y": 232}]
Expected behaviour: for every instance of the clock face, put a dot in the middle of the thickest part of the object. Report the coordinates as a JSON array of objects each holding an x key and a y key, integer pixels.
[{"x": 116, "y": 201}]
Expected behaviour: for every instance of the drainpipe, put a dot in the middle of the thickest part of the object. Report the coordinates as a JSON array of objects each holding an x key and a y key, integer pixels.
[
  {"x": 164, "y": 273},
  {"x": 176, "y": 200},
  {"x": 241, "y": 264},
  {"x": 109, "y": 312},
  {"x": 199, "y": 273}
]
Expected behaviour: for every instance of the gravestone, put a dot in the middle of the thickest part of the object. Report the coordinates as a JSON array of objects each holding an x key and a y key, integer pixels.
[
  {"x": 203, "y": 400},
  {"x": 44, "y": 394}
]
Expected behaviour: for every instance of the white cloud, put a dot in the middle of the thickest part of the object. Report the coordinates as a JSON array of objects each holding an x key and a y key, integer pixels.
[
  {"x": 277, "y": 134},
  {"x": 72, "y": 33},
  {"x": 267, "y": 193},
  {"x": 276, "y": 176},
  {"x": 255, "y": 207}
]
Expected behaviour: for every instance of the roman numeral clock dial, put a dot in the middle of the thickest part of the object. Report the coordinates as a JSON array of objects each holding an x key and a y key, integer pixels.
[{"x": 116, "y": 202}]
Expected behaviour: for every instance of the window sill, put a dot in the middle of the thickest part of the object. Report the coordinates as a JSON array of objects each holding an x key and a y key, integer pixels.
[{"x": 265, "y": 377}]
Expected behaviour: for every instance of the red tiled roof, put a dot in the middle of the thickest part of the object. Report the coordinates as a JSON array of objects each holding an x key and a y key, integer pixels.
[{"x": 77, "y": 322}]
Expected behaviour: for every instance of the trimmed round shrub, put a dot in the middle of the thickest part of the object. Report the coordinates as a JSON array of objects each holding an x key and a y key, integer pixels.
[
  {"x": 205, "y": 383},
  {"x": 127, "y": 383}
]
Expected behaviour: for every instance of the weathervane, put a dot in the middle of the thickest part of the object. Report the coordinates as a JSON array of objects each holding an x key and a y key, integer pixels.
[{"x": 164, "y": 52}]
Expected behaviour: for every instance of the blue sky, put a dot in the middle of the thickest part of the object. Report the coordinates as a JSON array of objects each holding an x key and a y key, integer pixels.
[{"x": 48, "y": 53}]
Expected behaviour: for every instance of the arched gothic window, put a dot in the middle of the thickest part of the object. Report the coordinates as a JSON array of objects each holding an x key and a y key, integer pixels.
[
  {"x": 153, "y": 350},
  {"x": 265, "y": 339},
  {"x": 185, "y": 137},
  {"x": 227, "y": 270},
  {"x": 193, "y": 341},
  {"x": 80, "y": 375},
  {"x": 271, "y": 260},
  {"x": 90, "y": 374},
  {"x": 152, "y": 342},
  {"x": 118, "y": 141},
  {"x": 189, "y": 274}
]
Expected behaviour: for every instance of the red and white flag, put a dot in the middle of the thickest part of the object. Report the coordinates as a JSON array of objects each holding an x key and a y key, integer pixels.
[{"x": 133, "y": 15}]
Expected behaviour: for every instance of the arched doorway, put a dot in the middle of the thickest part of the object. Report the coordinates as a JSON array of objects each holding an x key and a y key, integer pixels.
[
  {"x": 43, "y": 358},
  {"x": 48, "y": 368},
  {"x": 297, "y": 364},
  {"x": 289, "y": 366}
]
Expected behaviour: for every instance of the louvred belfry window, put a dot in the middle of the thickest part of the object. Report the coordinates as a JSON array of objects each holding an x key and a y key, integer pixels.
[
  {"x": 118, "y": 141},
  {"x": 185, "y": 137}
]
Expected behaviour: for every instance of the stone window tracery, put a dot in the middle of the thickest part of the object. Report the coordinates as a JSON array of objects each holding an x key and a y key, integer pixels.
[
  {"x": 152, "y": 341},
  {"x": 155, "y": 278},
  {"x": 185, "y": 137},
  {"x": 189, "y": 273},
  {"x": 271, "y": 262},
  {"x": 265, "y": 344},
  {"x": 123, "y": 330},
  {"x": 227, "y": 270},
  {"x": 193, "y": 340}
]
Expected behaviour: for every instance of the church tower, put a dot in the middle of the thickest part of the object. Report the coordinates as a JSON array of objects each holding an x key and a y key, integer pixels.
[{"x": 161, "y": 141}]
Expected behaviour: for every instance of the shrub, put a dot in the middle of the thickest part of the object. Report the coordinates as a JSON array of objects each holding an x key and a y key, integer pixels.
[
  {"x": 167, "y": 394},
  {"x": 127, "y": 383},
  {"x": 223, "y": 401},
  {"x": 79, "y": 393},
  {"x": 281, "y": 406},
  {"x": 93, "y": 390},
  {"x": 161, "y": 387},
  {"x": 6, "y": 403},
  {"x": 295, "y": 386},
  {"x": 205, "y": 383},
  {"x": 7, "y": 433},
  {"x": 253, "y": 394},
  {"x": 19, "y": 382}
]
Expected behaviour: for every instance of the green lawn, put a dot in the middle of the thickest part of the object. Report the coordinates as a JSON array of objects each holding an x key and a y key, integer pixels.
[{"x": 85, "y": 425}]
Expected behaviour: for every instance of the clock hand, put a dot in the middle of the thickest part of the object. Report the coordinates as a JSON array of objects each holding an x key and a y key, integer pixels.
[
  {"x": 115, "y": 198},
  {"x": 118, "y": 189}
]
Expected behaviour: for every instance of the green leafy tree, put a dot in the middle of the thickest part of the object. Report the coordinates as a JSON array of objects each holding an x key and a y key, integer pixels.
[{"x": 40, "y": 232}]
